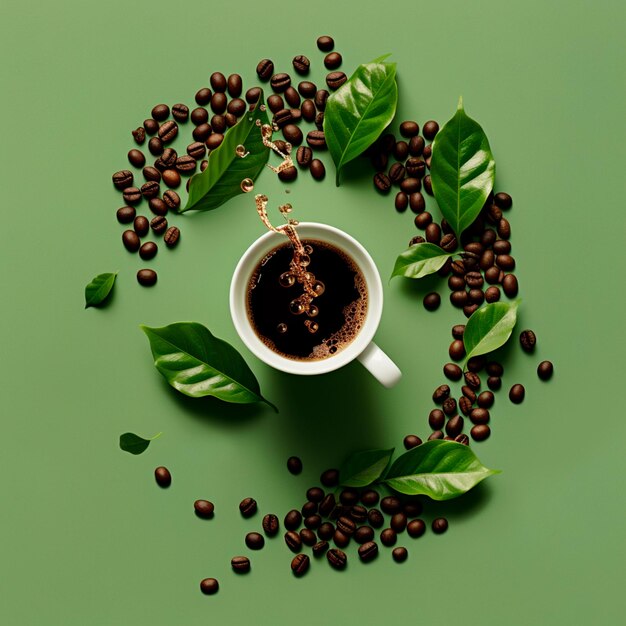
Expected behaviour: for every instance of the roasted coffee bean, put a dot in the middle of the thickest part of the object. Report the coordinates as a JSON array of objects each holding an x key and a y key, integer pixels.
[
  {"x": 441, "y": 393},
  {"x": 146, "y": 277},
  {"x": 494, "y": 368},
  {"x": 136, "y": 158},
  {"x": 487, "y": 259},
  {"x": 186, "y": 164},
  {"x": 401, "y": 150},
  {"x": 248, "y": 507},
  {"x": 150, "y": 189},
  {"x": 151, "y": 126},
  {"x": 410, "y": 441},
  {"x": 501, "y": 246},
  {"x": 432, "y": 301},
  {"x": 415, "y": 167},
  {"x": 349, "y": 496},
  {"x": 301, "y": 64},
  {"x": 503, "y": 200},
  {"x": 510, "y": 285},
  {"x": 485, "y": 400},
  {"x": 452, "y": 371},
  {"x": 141, "y": 226},
  {"x": 304, "y": 156},
  {"x": 203, "y": 165},
  {"x": 409, "y": 129},
  {"x": 209, "y": 586},
  {"x": 172, "y": 199},
  {"x": 292, "y": 97},
  {"x": 437, "y": 434},
  {"x": 308, "y": 537},
  {"x": 308, "y": 110},
  {"x": 234, "y": 85},
  {"x": 255, "y": 541},
  {"x": 318, "y": 171},
  {"x": 172, "y": 236},
  {"x": 398, "y": 522},
  {"x": 196, "y": 150},
  {"x": 321, "y": 96},
  {"x": 493, "y": 214},
  {"x": 469, "y": 310},
  {"x": 219, "y": 103},
  {"x": 288, "y": 174},
  {"x": 326, "y": 530},
  {"x": 125, "y": 214},
  {"x": 469, "y": 393},
  {"x": 122, "y": 179},
  {"x": 202, "y": 132},
  {"x": 413, "y": 508},
  {"x": 332, "y": 60},
  {"x": 148, "y": 250},
  {"x": 168, "y": 131},
  {"x": 155, "y": 145},
  {"x": 545, "y": 369},
  {"x": 428, "y": 186},
  {"x": 130, "y": 240},
  {"x": 440, "y": 525},
  {"x": 517, "y": 393},
  {"x": 368, "y": 551},
  {"x": 327, "y": 505},
  {"x": 292, "y": 134},
  {"x": 415, "y": 240},
  {"x": 340, "y": 539},
  {"x": 458, "y": 330},
  {"x": 180, "y": 112},
  {"x": 358, "y": 513},
  {"x": 280, "y": 82},
  {"x": 494, "y": 275},
  {"x": 448, "y": 243},
  {"x": 316, "y": 139},
  {"x": 293, "y": 519},
  {"x": 203, "y": 96},
  {"x": 430, "y": 129},
  {"x": 309, "y": 508},
  {"x": 330, "y": 478},
  {"x": 416, "y": 528},
  {"x": 480, "y": 432},
  {"x": 422, "y": 220},
  {"x": 313, "y": 522},
  {"x": 492, "y": 294},
  {"x": 162, "y": 476},
  {"x": 334, "y": 80},
  {"x": 472, "y": 380},
  {"x": 160, "y": 112},
  {"x": 396, "y": 172},
  {"x": 390, "y": 505},
  {"x": 505, "y": 262},
  {"x": 325, "y": 43},
  {"x": 476, "y": 296},
  {"x": 265, "y": 69},
  {"x": 433, "y": 233},
  {"x": 171, "y": 178},
  {"x": 320, "y": 548},
  {"x": 337, "y": 558},
  {"x": 271, "y": 525},
  {"x": 479, "y": 415},
  {"x": 218, "y": 82},
  {"x": 315, "y": 494},
  {"x": 400, "y": 554},
  {"x": 527, "y": 340},
  {"x": 494, "y": 383},
  {"x": 375, "y": 518},
  {"x": 131, "y": 195},
  {"x": 417, "y": 202},
  {"x": 199, "y": 116},
  {"x": 488, "y": 237},
  {"x": 300, "y": 564},
  {"x": 401, "y": 202},
  {"x": 139, "y": 135},
  {"x": 293, "y": 540},
  {"x": 464, "y": 439},
  {"x": 236, "y": 107},
  {"x": 214, "y": 141},
  {"x": 456, "y": 350},
  {"x": 168, "y": 158},
  {"x": 504, "y": 229},
  {"x": 436, "y": 419},
  {"x": 363, "y": 534},
  {"x": 282, "y": 118},
  {"x": 416, "y": 146},
  {"x": 449, "y": 406},
  {"x": 388, "y": 537},
  {"x": 382, "y": 182},
  {"x": 474, "y": 279},
  {"x": 240, "y": 564},
  {"x": 458, "y": 268},
  {"x": 410, "y": 185},
  {"x": 459, "y": 298},
  {"x": 151, "y": 173},
  {"x": 252, "y": 95},
  {"x": 454, "y": 426}
]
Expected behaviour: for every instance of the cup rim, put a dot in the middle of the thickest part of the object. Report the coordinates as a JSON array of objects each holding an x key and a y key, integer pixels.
[{"x": 238, "y": 309}]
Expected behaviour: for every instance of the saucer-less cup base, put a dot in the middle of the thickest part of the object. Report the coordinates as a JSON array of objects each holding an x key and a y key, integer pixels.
[{"x": 361, "y": 348}]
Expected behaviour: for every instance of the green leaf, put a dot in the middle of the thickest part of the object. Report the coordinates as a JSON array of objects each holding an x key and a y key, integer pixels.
[
  {"x": 420, "y": 260},
  {"x": 98, "y": 290},
  {"x": 358, "y": 112},
  {"x": 462, "y": 170},
  {"x": 198, "y": 364},
  {"x": 129, "y": 442},
  {"x": 221, "y": 180},
  {"x": 363, "y": 468},
  {"x": 489, "y": 327},
  {"x": 439, "y": 469}
]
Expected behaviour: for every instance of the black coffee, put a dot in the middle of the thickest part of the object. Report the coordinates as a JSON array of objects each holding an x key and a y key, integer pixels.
[{"x": 334, "y": 320}]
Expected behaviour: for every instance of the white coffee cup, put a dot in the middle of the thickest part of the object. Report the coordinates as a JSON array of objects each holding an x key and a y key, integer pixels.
[{"x": 362, "y": 347}]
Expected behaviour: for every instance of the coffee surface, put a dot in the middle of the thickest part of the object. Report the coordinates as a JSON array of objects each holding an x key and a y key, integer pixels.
[{"x": 341, "y": 308}]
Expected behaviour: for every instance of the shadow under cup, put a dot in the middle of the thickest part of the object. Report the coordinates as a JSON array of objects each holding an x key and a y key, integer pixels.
[{"x": 239, "y": 297}]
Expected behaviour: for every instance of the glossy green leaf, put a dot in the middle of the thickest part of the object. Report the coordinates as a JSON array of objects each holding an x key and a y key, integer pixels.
[
  {"x": 198, "y": 364},
  {"x": 420, "y": 260},
  {"x": 363, "y": 468},
  {"x": 358, "y": 112},
  {"x": 129, "y": 442},
  {"x": 98, "y": 290},
  {"x": 439, "y": 469},
  {"x": 489, "y": 327},
  {"x": 221, "y": 180},
  {"x": 462, "y": 170}
]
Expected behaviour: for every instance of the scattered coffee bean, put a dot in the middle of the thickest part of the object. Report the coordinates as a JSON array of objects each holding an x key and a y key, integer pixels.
[
  {"x": 480, "y": 432},
  {"x": 158, "y": 224},
  {"x": 390, "y": 505},
  {"x": 122, "y": 179},
  {"x": 465, "y": 405},
  {"x": 375, "y": 518},
  {"x": 148, "y": 250},
  {"x": 280, "y": 82},
  {"x": 388, "y": 537},
  {"x": 301, "y": 64},
  {"x": 139, "y": 135},
  {"x": 196, "y": 150},
  {"x": 313, "y": 522},
  {"x": 218, "y": 82},
  {"x": 292, "y": 134},
  {"x": 432, "y": 301},
  {"x": 437, "y": 434},
  {"x": 494, "y": 383},
  {"x": 330, "y": 478},
  {"x": 293, "y": 540},
  {"x": 510, "y": 286},
  {"x": 214, "y": 141},
  {"x": 440, "y": 525},
  {"x": 332, "y": 60},
  {"x": 209, "y": 586},
  {"x": 316, "y": 139},
  {"x": 454, "y": 426},
  {"x": 172, "y": 199},
  {"x": 318, "y": 171},
  {"x": 204, "y": 508},
  {"x": 186, "y": 164},
  {"x": 141, "y": 225},
  {"x": 398, "y": 522},
  {"x": 504, "y": 229},
  {"x": 545, "y": 369},
  {"x": 300, "y": 564},
  {"x": 337, "y": 558},
  {"x": 517, "y": 393},
  {"x": 155, "y": 145},
  {"x": 485, "y": 400},
  {"x": 479, "y": 416},
  {"x": 168, "y": 131},
  {"x": 294, "y": 464},
  {"x": 326, "y": 531},
  {"x": 527, "y": 340},
  {"x": 151, "y": 126},
  {"x": 172, "y": 236},
  {"x": 457, "y": 350},
  {"x": 430, "y": 129},
  {"x": 399, "y": 555},
  {"x": 334, "y": 80},
  {"x": 413, "y": 508},
  {"x": 293, "y": 519},
  {"x": 325, "y": 43},
  {"x": 255, "y": 541},
  {"x": 503, "y": 200},
  {"x": 410, "y": 441},
  {"x": 349, "y": 496},
  {"x": 436, "y": 419},
  {"x": 293, "y": 99},
  {"x": 320, "y": 548},
  {"x": 308, "y": 537},
  {"x": 416, "y": 528},
  {"x": 265, "y": 69},
  {"x": 130, "y": 240},
  {"x": 441, "y": 393},
  {"x": 163, "y": 477},
  {"x": 136, "y": 158},
  {"x": 340, "y": 539},
  {"x": 452, "y": 371},
  {"x": 492, "y": 294},
  {"x": 160, "y": 112},
  {"x": 449, "y": 406},
  {"x": 304, "y": 156},
  {"x": 422, "y": 220},
  {"x": 289, "y": 174},
  {"x": 473, "y": 380},
  {"x": 203, "y": 97},
  {"x": 321, "y": 96},
  {"x": 180, "y": 112},
  {"x": 125, "y": 214},
  {"x": 368, "y": 551},
  {"x": 382, "y": 182},
  {"x": 240, "y": 564},
  {"x": 150, "y": 189},
  {"x": 248, "y": 507},
  {"x": 327, "y": 505},
  {"x": 363, "y": 534}
]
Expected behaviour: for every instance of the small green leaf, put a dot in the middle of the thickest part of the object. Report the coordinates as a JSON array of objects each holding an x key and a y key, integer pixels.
[
  {"x": 129, "y": 442},
  {"x": 489, "y": 327},
  {"x": 363, "y": 468},
  {"x": 420, "y": 260},
  {"x": 221, "y": 180},
  {"x": 439, "y": 469},
  {"x": 462, "y": 170},
  {"x": 97, "y": 291},
  {"x": 358, "y": 112},
  {"x": 198, "y": 364}
]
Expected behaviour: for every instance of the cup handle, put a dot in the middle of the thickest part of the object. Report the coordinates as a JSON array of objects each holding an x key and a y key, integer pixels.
[{"x": 379, "y": 365}]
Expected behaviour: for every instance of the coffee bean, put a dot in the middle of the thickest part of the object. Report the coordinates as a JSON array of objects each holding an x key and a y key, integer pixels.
[
  {"x": 130, "y": 240},
  {"x": 270, "y": 525},
  {"x": 465, "y": 405},
  {"x": 255, "y": 541},
  {"x": 398, "y": 522},
  {"x": 300, "y": 564},
  {"x": 430, "y": 129},
  {"x": 349, "y": 496},
  {"x": 449, "y": 406},
  {"x": 141, "y": 225},
  {"x": 458, "y": 330},
  {"x": 316, "y": 139},
  {"x": 334, "y": 80},
  {"x": 293, "y": 519},
  {"x": 204, "y": 508},
  {"x": 492, "y": 294},
  {"x": 487, "y": 238},
  {"x": 452, "y": 371},
  {"x": 320, "y": 548},
  {"x": 325, "y": 43},
  {"x": 203, "y": 97},
  {"x": 432, "y": 301},
  {"x": 494, "y": 275},
  {"x": 293, "y": 540},
  {"x": 358, "y": 513},
  {"x": 326, "y": 531},
  {"x": 487, "y": 259},
  {"x": 160, "y": 112},
  {"x": 218, "y": 82},
  {"x": 456, "y": 350},
  {"x": 282, "y": 118},
  {"x": 125, "y": 214},
  {"x": 382, "y": 182},
  {"x": 416, "y": 528},
  {"x": 186, "y": 164},
  {"x": 330, "y": 478},
  {"x": 312, "y": 522},
  {"x": 122, "y": 179},
  {"x": 321, "y": 96},
  {"x": 485, "y": 400},
  {"x": 388, "y": 537},
  {"x": 333, "y": 60},
  {"x": 147, "y": 277},
  {"x": 308, "y": 110},
  {"x": 167, "y": 159},
  {"x": 304, "y": 156},
  {"x": 409, "y": 129},
  {"x": 301, "y": 64},
  {"x": 417, "y": 203},
  {"x": 172, "y": 199},
  {"x": 423, "y": 220},
  {"x": 493, "y": 214},
  {"x": 527, "y": 340},
  {"x": 410, "y": 185},
  {"x": 449, "y": 243},
  {"x": 218, "y": 103},
  {"x": 503, "y": 200},
  {"x": 151, "y": 173},
  {"x": 472, "y": 380},
  {"x": 235, "y": 85},
  {"x": 504, "y": 229},
  {"x": 545, "y": 369},
  {"x": 479, "y": 416},
  {"x": 494, "y": 368},
  {"x": 410, "y": 441},
  {"x": 441, "y": 393},
  {"x": 517, "y": 393},
  {"x": 252, "y": 95},
  {"x": 171, "y": 178},
  {"x": 415, "y": 240},
  {"x": 131, "y": 195},
  {"x": 428, "y": 186},
  {"x": 469, "y": 393},
  {"x": 292, "y": 97},
  {"x": 275, "y": 103},
  {"x": 416, "y": 146},
  {"x": 501, "y": 246},
  {"x": 151, "y": 126},
  {"x": 139, "y": 135},
  {"x": 474, "y": 279},
  {"x": 240, "y": 564},
  {"x": 454, "y": 426},
  {"x": 199, "y": 116},
  {"x": 510, "y": 285},
  {"x": 494, "y": 383},
  {"x": 308, "y": 537},
  {"x": 437, "y": 434},
  {"x": 390, "y": 505},
  {"x": 180, "y": 112},
  {"x": 289, "y": 174},
  {"x": 337, "y": 558},
  {"x": 440, "y": 525},
  {"x": 340, "y": 539},
  {"x": 196, "y": 150},
  {"x": 396, "y": 172},
  {"x": 433, "y": 233},
  {"x": 505, "y": 262},
  {"x": 150, "y": 189},
  {"x": 436, "y": 419},
  {"x": 346, "y": 526},
  {"x": 292, "y": 134},
  {"x": 480, "y": 432},
  {"x": 172, "y": 236},
  {"x": 168, "y": 131},
  {"x": 280, "y": 82},
  {"x": 209, "y": 586},
  {"x": 202, "y": 131},
  {"x": 400, "y": 554},
  {"x": 136, "y": 158},
  {"x": 265, "y": 69},
  {"x": 319, "y": 121},
  {"x": 309, "y": 509},
  {"x": 476, "y": 363},
  {"x": 401, "y": 202},
  {"x": 236, "y": 107},
  {"x": 363, "y": 534},
  {"x": 148, "y": 250},
  {"x": 368, "y": 551},
  {"x": 375, "y": 518},
  {"x": 214, "y": 141},
  {"x": 248, "y": 507}
]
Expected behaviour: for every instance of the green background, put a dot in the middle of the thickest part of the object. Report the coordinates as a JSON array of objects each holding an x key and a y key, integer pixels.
[{"x": 87, "y": 536}]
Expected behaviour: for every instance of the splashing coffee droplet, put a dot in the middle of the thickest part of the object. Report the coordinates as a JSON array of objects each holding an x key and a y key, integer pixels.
[{"x": 247, "y": 185}]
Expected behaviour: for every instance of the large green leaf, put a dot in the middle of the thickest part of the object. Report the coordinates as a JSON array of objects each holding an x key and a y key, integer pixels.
[
  {"x": 363, "y": 468},
  {"x": 489, "y": 327},
  {"x": 420, "y": 260},
  {"x": 98, "y": 290},
  {"x": 198, "y": 364},
  {"x": 358, "y": 112},
  {"x": 221, "y": 180},
  {"x": 462, "y": 170},
  {"x": 439, "y": 469}
]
